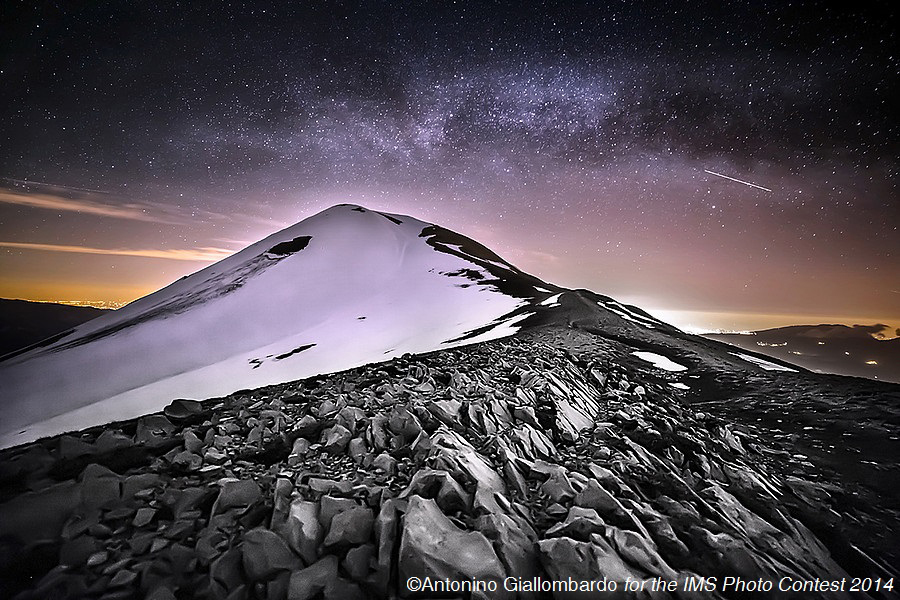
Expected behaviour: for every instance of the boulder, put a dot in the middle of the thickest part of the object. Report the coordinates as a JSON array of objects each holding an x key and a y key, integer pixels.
[
  {"x": 187, "y": 461},
  {"x": 182, "y": 410},
  {"x": 558, "y": 487},
  {"x": 153, "y": 430},
  {"x": 306, "y": 427},
  {"x": 144, "y": 517},
  {"x": 312, "y": 580},
  {"x": 439, "y": 485},
  {"x": 514, "y": 541},
  {"x": 403, "y": 423},
  {"x": 236, "y": 494},
  {"x": 580, "y": 523},
  {"x": 329, "y": 506},
  {"x": 386, "y": 531},
  {"x": 639, "y": 551},
  {"x": 335, "y": 439},
  {"x": 99, "y": 487},
  {"x": 303, "y": 530},
  {"x": 432, "y": 546},
  {"x": 358, "y": 561},
  {"x": 350, "y": 528},
  {"x": 265, "y": 554},
  {"x": 110, "y": 441},
  {"x": 191, "y": 442},
  {"x": 386, "y": 463}
]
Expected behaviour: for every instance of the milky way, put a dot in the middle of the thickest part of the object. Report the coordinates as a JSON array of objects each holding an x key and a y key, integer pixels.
[{"x": 581, "y": 141}]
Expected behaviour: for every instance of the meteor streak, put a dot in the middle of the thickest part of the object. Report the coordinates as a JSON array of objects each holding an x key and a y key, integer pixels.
[{"x": 738, "y": 180}]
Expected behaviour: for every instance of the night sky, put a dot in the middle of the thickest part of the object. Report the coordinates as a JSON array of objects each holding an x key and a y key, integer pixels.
[{"x": 139, "y": 139}]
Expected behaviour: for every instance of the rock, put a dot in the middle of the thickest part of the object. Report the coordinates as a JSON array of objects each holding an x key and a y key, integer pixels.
[
  {"x": 226, "y": 573},
  {"x": 386, "y": 463},
  {"x": 143, "y": 482},
  {"x": 143, "y": 517},
  {"x": 386, "y": 531},
  {"x": 350, "y": 528},
  {"x": 298, "y": 451},
  {"x": 312, "y": 580},
  {"x": 281, "y": 508},
  {"x": 306, "y": 427},
  {"x": 76, "y": 552},
  {"x": 558, "y": 487},
  {"x": 185, "y": 500},
  {"x": 41, "y": 514},
  {"x": 341, "y": 589},
  {"x": 181, "y": 409},
  {"x": 514, "y": 541},
  {"x": 580, "y": 523},
  {"x": 377, "y": 432},
  {"x": 97, "y": 558},
  {"x": 99, "y": 487},
  {"x": 71, "y": 447},
  {"x": 565, "y": 558},
  {"x": 153, "y": 430},
  {"x": 335, "y": 439},
  {"x": 236, "y": 494},
  {"x": 440, "y": 486},
  {"x": 277, "y": 588},
  {"x": 161, "y": 593},
  {"x": 358, "y": 560},
  {"x": 432, "y": 546},
  {"x": 110, "y": 441},
  {"x": 188, "y": 461},
  {"x": 403, "y": 423},
  {"x": 191, "y": 442},
  {"x": 304, "y": 530},
  {"x": 349, "y": 417},
  {"x": 357, "y": 450},
  {"x": 123, "y": 578},
  {"x": 329, "y": 506},
  {"x": 596, "y": 497},
  {"x": 556, "y": 510},
  {"x": 265, "y": 554},
  {"x": 214, "y": 456},
  {"x": 639, "y": 551},
  {"x": 329, "y": 486}
]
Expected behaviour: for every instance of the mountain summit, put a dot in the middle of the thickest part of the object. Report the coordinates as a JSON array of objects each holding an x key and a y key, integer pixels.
[{"x": 345, "y": 287}]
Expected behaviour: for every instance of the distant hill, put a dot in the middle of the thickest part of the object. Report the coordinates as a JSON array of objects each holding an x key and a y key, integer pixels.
[
  {"x": 23, "y": 323},
  {"x": 835, "y": 349}
]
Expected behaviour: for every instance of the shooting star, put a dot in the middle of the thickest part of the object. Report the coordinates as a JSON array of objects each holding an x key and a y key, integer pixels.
[
  {"x": 738, "y": 180},
  {"x": 44, "y": 184}
]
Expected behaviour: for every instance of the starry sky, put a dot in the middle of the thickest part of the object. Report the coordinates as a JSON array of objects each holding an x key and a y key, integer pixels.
[{"x": 584, "y": 142}]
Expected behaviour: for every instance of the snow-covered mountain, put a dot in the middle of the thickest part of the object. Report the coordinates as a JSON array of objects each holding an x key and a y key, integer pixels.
[{"x": 346, "y": 287}]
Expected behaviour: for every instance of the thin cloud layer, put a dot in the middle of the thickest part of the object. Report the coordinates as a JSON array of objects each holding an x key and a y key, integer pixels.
[
  {"x": 82, "y": 204},
  {"x": 190, "y": 254}
]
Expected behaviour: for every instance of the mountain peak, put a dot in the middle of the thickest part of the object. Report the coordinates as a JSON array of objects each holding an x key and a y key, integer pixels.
[{"x": 342, "y": 288}]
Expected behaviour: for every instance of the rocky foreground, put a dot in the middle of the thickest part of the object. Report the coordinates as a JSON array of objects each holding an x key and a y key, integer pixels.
[{"x": 550, "y": 454}]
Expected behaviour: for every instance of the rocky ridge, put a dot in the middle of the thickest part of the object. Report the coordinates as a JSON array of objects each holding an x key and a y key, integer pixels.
[{"x": 537, "y": 455}]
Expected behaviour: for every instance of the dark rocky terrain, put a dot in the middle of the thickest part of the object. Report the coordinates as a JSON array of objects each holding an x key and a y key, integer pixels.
[
  {"x": 554, "y": 453},
  {"x": 827, "y": 348},
  {"x": 23, "y": 323}
]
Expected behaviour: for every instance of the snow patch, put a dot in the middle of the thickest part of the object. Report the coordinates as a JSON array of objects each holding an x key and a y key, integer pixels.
[
  {"x": 680, "y": 386},
  {"x": 551, "y": 301},
  {"x": 659, "y": 361},
  {"x": 763, "y": 364},
  {"x": 629, "y": 315}
]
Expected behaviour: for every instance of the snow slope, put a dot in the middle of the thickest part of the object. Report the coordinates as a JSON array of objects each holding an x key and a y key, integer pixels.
[{"x": 346, "y": 287}]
